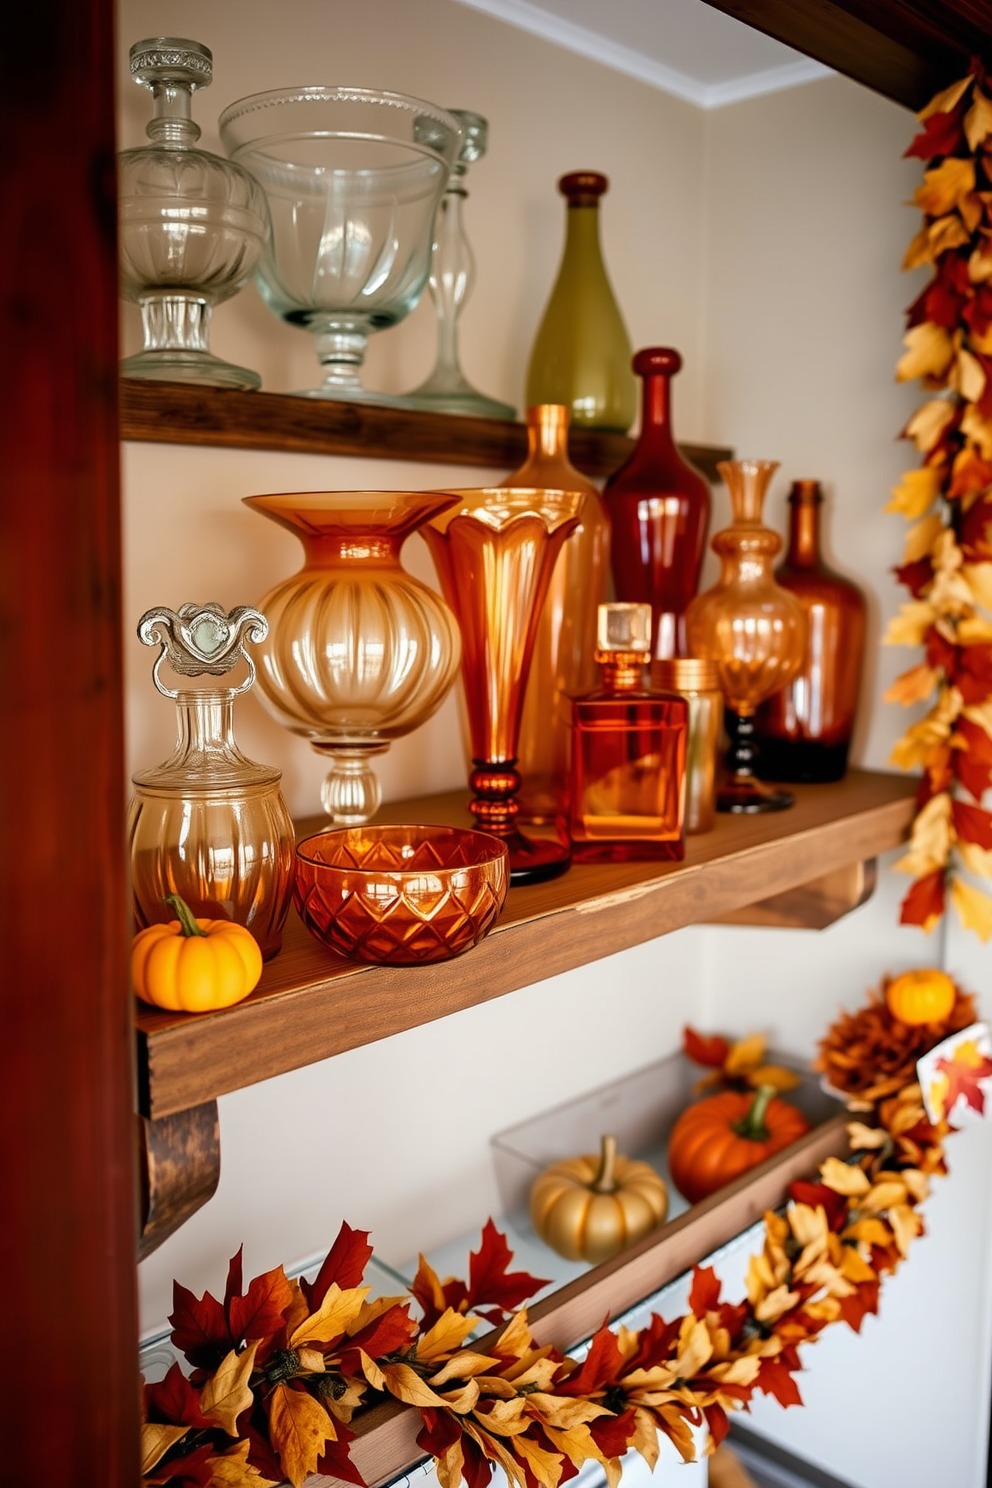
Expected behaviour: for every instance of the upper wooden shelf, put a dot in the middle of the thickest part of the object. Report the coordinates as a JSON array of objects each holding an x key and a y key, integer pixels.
[
  {"x": 179, "y": 413},
  {"x": 311, "y": 1004},
  {"x": 903, "y": 49}
]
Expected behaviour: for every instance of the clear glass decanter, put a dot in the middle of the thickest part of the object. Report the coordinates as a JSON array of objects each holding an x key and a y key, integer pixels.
[
  {"x": 447, "y": 389},
  {"x": 192, "y": 225},
  {"x": 210, "y": 824}
]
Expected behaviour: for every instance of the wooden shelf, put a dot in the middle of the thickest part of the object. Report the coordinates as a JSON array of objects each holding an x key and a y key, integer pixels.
[
  {"x": 903, "y": 49},
  {"x": 179, "y": 413},
  {"x": 311, "y": 1004}
]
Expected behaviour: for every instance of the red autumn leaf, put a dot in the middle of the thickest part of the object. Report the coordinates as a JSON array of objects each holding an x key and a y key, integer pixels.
[
  {"x": 655, "y": 1343},
  {"x": 939, "y": 302},
  {"x": 173, "y": 1401},
  {"x": 335, "y": 1460},
  {"x": 718, "y": 1422},
  {"x": 973, "y": 764},
  {"x": 601, "y": 1366},
  {"x": 819, "y": 1196},
  {"x": 973, "y": 672},
  {"x": 855, "y": 1309},
  {"x": 192, "y": 1471},
  {"x": 974, "y": 527},
  {"x": 199, "y": 1328},
  {"x": 260, "y": 1313},
  {"x": 969, "y": 473},
  {"x": 710, "y": 1051},
  {"x": 940, "y": 652},
  {"x": 925, "y": 900},
  {"x": 774, "y": 1378},
  {"x": 916, "y": 576},
  {"x": 613, "y": 1434},
  {"x": 476, "y": 1467},
  {"x": 704, "y": 1294},
  {"x": 978, "y": 309},
  {"x": 344, "y": 1263},
  {"x": 490, "y": 1284},
  {"x": 942, "y": 135},
  {"x": 439, "y": 1431},
  {"x": 388, "y": 1334},
  {"x": 964, "y": 1081},
  {"x": 261, "y": 1455},
  {"x": 235, "y": 1279},
  {"x": 972, "y": 824}
]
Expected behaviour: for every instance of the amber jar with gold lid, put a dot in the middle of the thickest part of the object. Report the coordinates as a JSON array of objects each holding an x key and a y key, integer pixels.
[
  {"x": 805, "y": 730},
  {"x": 698, "y": 681}
]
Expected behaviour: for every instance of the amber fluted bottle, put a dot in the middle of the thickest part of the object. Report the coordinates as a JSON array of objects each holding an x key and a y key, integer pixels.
[
  {"x": 563, "y": 662},
  {"x": 659, "y": 510},
  {"x": 581, "y": 354},
  {"x": 805, "y": 730}
]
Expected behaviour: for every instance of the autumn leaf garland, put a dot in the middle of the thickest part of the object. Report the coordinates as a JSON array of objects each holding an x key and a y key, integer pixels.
[
  {"x": 947, "y": 564},
  {"x": 279, "y": 1369}
]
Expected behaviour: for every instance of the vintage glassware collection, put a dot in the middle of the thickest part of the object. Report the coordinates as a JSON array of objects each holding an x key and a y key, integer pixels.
[{"x": 345, "y": 203}]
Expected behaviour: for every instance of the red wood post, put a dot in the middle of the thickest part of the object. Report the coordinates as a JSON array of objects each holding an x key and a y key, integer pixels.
[{"x": 68, "y": 1383}]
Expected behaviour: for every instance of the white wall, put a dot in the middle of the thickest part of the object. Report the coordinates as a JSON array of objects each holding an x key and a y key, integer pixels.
[{"x": 763, "y": 240}]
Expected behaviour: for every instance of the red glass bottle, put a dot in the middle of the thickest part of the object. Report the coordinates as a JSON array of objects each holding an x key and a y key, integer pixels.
[
  {"x": 805, "y": 730},
  {"x": 628, "y": 753},
  {"x": 659, "y": 509}
]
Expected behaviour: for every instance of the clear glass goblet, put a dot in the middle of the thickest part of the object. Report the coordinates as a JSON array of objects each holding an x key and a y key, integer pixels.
[{"x": 353, "y": 179}]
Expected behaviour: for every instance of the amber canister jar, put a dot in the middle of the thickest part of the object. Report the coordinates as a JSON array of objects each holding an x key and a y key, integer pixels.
[
  {"x": 698, "y": 681},
  {"x": 805, "y": 730}
]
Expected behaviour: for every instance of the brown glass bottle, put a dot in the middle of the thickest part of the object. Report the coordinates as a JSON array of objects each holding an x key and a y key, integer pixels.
[
  {"x": 628, "y": 751},
  {"x": 564, "y": 652},
  {"x": 805, "y": 730},
  {"x": 659, "y": 510}
]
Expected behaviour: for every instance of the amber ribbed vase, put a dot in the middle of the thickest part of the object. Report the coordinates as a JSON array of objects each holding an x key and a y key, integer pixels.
[
  {"x": 358, "y": 652},
  {"x": 752, "y": 628},
  {"x": 563, "y": 663},
  {"x": 495, "y": 551}
]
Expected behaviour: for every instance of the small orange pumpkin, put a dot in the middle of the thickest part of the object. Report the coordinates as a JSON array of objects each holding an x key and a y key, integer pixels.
[
  {"x": 194, "y": 966},
  {"x": 588, "y": 1208},
  {"x": 925, "y": 995},
  {"x": 721, "y": 1137}
]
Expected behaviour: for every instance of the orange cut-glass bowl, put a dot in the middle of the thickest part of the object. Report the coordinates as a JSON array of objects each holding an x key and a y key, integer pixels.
[{"x": 403, "y": 895}]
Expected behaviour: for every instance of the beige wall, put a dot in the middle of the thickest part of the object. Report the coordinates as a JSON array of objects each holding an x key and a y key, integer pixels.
[{"x": 763, "y": 240}]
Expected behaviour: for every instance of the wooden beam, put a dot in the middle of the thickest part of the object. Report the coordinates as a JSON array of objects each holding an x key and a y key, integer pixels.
[{"x": 904, "y": 49}]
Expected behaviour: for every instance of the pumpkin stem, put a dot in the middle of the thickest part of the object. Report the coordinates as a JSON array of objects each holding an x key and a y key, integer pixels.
[
  {"x": 604, "y": 1181},
  {"x": 752, "y": 1126},
  {"x": 185, "y": 916}
]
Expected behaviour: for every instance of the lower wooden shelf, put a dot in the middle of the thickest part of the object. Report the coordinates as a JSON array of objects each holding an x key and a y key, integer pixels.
[{"x": 312, "y": 1004}]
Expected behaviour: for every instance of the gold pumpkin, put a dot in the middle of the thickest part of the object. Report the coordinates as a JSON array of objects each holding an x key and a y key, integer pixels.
[{"x": 588, "y": 1208}]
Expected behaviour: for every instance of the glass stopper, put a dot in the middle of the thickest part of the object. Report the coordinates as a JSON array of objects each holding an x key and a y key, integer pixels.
[
  {"x": 199, "y": 638},
  {"x": 624, "y": 628}
]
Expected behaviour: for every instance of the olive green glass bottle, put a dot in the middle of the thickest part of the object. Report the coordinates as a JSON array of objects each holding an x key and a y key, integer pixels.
[{"x": 581, "y": 356}]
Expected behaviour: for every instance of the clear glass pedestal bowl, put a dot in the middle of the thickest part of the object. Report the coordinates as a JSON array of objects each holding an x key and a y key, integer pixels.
[{"x": 353, "y": 179}]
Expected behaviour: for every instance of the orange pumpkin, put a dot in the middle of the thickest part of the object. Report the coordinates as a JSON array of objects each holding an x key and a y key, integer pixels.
[
  {"x": 922, "y": 996},
  {"x": 721, "y": 1137}
]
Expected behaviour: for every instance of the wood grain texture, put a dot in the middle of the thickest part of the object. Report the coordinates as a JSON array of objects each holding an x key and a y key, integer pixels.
[
  {"x": 814, "y": 905},
  {"x": 385, "y": 1444},
  {"x": 904, "y": 49},
  {"x": 179, "y": 1158},
  {"x": 311, "y": 1004},
  {"x": 174, "y": 413},
  {"x": 70, "y": 1408}
]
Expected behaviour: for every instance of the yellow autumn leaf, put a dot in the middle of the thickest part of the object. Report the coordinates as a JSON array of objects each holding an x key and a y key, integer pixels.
[
  {"x": 233, "y": 1470},
  {"x": 974, "y": 909},
  {"x": 464, "y": 1399},
  {"x": 947, "y": 233},
  {"x": 914, "y": 686},
  {"x": 427, "y": 1282},
  {"x": 921, "y": 539},
  {"x": 695, "y": 1348},
  {"x": 916, "y": 492},
  {"x": 884, "y": 1195},
  {"x": 743, "y": 1055},
  {"x": 515, "y": 1339},
  {"x": 450, "y": 1465},
  {"x": 978, "y": 121},
  {"x": 844, "y": 1178},
  {"x": 448, "y": 1334},
  {"x": 743, "y": 1370},
  {"x": 944, "y": 101},
  {"x": 978, "y": 577},
  {"x": 945, "y": 186},
  {"x": 910, "y": 625},
  {"x": 929, "y": 351},
  {"x": 156, "y": 1440},
  {"x": 906, "y": 1225},
  {"x": 772, "y": 1307},
  {"x": 299, "y": 1429},
  {"x": 575, "y": 1443},
  {"x": 973, "y": 630},
  {"x": 912, "y": 751},
  {"x": 369, "y": 1311},
  {"x": 545, "y": 1466},
  {"x": 336, "y": 1311},
  {"x": 342, "y": 1407},
  {"x": 854, "y": 1266},
  {"x": 311, "y": 1359},
  {"x": 974, "y": 426},
  {"x": 925, "y": 429},
  {"x": 919, "y": 251},
  {"x": 918, "y": 1183},
  {"x": 968, "y": 376},
  {"x": 809, "y": 1225},
  {"x": 977, "y": 860},
  {"x": 463, "y": 1365},
  {"x": 775, "y": 1075},
  {"x": 865, "y": 1138},
  {"x": 403, "y": 1382},
  {"x": 871, "y": 1231},
  {"x": 226, "y": 1394}
]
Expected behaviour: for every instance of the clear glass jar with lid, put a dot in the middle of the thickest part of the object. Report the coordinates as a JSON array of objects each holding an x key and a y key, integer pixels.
[
  {"x": 192, "y": 225},
  {"x": 208, "y": 823}
]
